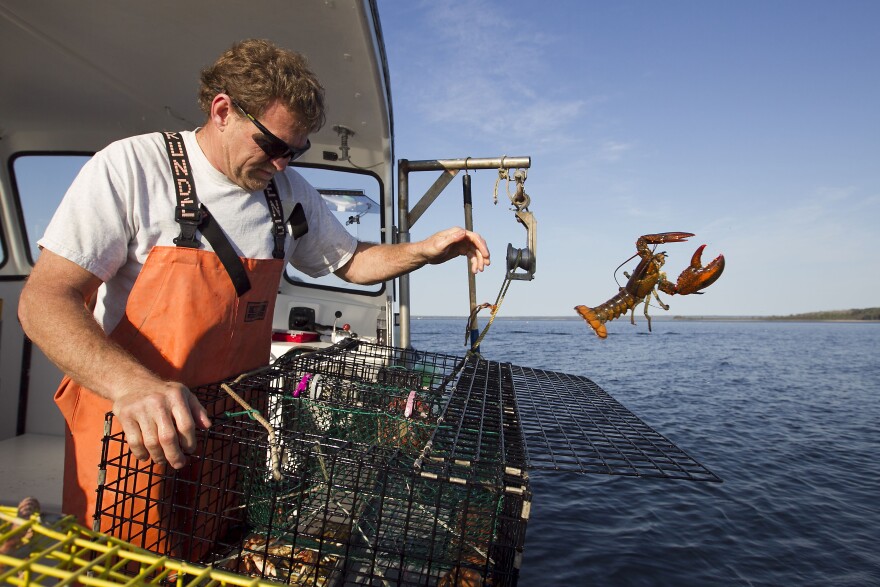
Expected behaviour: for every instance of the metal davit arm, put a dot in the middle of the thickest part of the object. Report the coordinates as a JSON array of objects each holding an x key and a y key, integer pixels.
[{"x": 407, "y": 218}]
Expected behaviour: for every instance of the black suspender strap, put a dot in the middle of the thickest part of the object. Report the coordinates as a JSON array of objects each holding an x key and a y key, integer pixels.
[
  {"x": 190, "y": 215},
  {"x": 227, "y": 255},
  {"x": 279, "y": 233},
  {"x": 187, "y": 213}
]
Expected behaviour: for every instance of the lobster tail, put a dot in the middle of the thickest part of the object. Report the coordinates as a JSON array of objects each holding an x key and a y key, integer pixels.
[
  {"x": 597, "y": 317},
  {"x": 595, "y": 321}
]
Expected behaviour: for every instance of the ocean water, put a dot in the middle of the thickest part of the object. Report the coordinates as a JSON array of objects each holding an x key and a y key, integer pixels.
[{"x": 787, "y": 414}]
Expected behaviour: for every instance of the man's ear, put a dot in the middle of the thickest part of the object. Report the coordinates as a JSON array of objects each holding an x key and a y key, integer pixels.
[{"x": 221, "y": 110}]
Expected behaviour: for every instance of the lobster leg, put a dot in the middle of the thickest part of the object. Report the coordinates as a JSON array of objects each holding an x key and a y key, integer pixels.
[
  {"x": 659, "y": 301},
  {"x": 647, "y": 303}
]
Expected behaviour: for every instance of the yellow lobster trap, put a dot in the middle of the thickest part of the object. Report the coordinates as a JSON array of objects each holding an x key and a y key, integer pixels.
[{"x": 55, "y": 550}]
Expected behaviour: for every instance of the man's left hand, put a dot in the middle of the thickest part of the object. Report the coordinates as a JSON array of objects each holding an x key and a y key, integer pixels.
[{"x": 454, "y": 242}]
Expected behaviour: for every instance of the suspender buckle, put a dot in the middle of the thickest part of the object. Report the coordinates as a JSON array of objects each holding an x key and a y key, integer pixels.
[
  {"x": 189, "y": 218},
  {"x": 189, "y": 214}
]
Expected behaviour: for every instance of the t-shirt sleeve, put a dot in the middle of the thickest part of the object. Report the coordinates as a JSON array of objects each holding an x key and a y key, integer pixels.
[
  {"x": 90, "y": 226},
  {"x": 327, "y": 245}
]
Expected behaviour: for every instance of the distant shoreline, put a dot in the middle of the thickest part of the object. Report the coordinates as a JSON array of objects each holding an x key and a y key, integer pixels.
[{"x": 794, "y": 318}]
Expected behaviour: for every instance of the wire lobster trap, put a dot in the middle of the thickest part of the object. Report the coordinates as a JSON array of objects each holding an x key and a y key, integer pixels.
[{"x": 364, "y": 464}]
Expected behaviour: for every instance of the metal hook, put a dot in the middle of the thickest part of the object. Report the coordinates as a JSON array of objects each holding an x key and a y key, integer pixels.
[{"x": 520, "y": 199}]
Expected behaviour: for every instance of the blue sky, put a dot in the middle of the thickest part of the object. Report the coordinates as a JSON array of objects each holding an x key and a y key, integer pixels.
[{"x": 753, "y": 124}]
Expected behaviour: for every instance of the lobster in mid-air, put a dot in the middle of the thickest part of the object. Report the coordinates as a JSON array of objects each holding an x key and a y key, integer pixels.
[{"x": 647, "y": 278}]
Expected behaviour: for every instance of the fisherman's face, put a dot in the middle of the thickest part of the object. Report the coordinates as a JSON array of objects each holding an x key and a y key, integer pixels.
[{"x": 247, "y": 163}]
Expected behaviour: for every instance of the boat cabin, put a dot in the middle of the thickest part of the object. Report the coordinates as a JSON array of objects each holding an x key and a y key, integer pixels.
[{"x": 78, "y": 76}]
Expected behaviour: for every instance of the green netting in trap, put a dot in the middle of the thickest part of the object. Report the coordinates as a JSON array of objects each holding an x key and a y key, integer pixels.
[
  {"x": 396, "y": 413},
  {"x": 330, "y": 480},
  {"x": 349, "y": 433},
  {"x": 430, "y": 518},
  {"x": 370, "y": 414},
  {"x": 372, "y": 509}
]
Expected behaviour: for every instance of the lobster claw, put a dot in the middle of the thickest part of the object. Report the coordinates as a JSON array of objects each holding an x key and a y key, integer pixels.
[
  {"x": 696, "y": 277},
  {"x": 662, "y": 237}
]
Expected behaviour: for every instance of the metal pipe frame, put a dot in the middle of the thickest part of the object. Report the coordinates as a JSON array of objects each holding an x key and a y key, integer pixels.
[{"x": 407, "y": 218}]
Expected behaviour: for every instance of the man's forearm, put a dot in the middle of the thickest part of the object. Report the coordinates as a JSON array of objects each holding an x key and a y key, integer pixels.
[
  {"x": 71, "y": 338},
  {"x": 374, "y": 263},
  {"x": 54, "y": 315}
]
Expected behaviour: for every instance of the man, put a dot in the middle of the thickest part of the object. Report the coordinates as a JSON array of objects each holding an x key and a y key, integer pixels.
[{"x": 136, "y": 306}]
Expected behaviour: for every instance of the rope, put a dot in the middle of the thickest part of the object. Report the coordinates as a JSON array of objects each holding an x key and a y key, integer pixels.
[
  {"x": 274, "y": 448},
  {"x": 495, "y": 307},
  {"x": 502, "y": 175}
]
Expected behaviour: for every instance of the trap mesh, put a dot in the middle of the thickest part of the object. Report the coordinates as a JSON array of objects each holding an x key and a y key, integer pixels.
[
  {"x": 326, "y": 476},
  {"x": 364, "y": 464}
]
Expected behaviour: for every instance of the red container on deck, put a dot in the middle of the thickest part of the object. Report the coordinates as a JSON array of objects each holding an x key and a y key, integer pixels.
[{"x": 295, "y": 337}]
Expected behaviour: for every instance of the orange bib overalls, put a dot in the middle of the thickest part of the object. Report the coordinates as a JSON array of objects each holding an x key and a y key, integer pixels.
[{"x": 185, "y": 321}]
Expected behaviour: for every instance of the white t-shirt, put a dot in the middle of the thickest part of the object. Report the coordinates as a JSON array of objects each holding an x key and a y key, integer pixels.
[{"x": 122, "y": 204}]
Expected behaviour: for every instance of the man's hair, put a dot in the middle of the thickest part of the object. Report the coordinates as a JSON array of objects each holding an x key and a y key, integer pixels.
[{"x": 255, "y": 72}]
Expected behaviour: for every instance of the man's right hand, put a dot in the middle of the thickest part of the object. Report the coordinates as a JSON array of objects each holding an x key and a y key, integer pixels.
[{"x": 160, "y": 423}]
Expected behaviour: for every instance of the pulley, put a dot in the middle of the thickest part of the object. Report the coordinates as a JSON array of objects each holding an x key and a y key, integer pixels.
[{"x": 524, "y": 259}]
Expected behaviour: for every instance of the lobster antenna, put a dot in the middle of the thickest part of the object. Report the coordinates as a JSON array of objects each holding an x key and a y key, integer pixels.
[{"x": 621, "y": 265}]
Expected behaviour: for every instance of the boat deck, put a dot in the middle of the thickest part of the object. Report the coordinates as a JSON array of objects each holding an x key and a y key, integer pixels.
[{"x": 32, "y": 465}]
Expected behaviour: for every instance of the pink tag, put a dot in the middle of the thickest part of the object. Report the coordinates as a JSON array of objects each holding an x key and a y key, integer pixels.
[
  {"x": 302, "y": 385},
  {"x": 409, "y": 404}
]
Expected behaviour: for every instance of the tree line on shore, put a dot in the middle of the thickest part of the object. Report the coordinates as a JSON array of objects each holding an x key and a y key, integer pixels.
[{"x": 853, "y": 314}]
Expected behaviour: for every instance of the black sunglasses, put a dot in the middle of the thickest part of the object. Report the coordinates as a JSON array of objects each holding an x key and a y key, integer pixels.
[{"x": 270, "y": 144}]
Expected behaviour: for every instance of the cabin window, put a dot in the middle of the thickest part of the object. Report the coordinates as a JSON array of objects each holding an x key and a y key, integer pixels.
[
  {"x": 41, "y": 181},
  {"x": 354, "y": 198}
]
